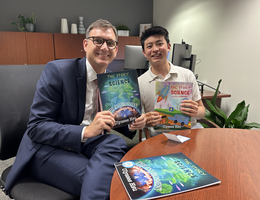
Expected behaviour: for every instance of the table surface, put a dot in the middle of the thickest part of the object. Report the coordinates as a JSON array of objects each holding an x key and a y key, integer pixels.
[{"x": 231, "y": 155}]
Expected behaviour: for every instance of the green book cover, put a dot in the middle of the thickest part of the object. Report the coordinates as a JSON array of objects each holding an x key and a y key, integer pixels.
[
  {"x": 119, "y": 92},
  {"x": 159, "y": 176},
  {"x": 168, "y": 97}
]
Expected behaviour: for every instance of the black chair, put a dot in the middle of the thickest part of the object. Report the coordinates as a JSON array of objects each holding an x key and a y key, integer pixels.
[{"x": 17, "y": 87}]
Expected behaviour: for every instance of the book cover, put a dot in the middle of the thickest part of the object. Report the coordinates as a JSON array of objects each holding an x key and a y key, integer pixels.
[
  {"x": 119, "y": 93},
  {"x": 159, "y": 176},
  {"x": 168, "y": 97}
]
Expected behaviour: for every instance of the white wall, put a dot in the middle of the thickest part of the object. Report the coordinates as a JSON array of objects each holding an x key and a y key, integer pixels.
[{"x": 225, "y": 35}]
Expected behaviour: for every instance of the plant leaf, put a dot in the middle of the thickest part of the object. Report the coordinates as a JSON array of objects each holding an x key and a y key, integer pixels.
[
  {"x": 221, "y": 115},
  {"x": 237, "y": 122},
  {"x": 251, "y": 125},
  {"x": 213, "y": 101},
  {"x": 209, "y": 116},
  {"x": 240, "y": 119},
  {"x": 209, "y": 113},
  {"x": 221, "y": 112},
  {"x": 244, "y": 113},
  {"x": 235, "y": 113}
]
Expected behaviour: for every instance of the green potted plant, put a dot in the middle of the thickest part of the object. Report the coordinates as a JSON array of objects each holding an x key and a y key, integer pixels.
[
  {"x": 237, "y": 119},
  {"x": 123, "y": 30},
  {"x": 26, "y": 24}
]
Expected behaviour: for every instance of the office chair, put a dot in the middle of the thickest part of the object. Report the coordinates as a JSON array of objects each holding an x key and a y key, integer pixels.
[{"x": 17, "y": 87}]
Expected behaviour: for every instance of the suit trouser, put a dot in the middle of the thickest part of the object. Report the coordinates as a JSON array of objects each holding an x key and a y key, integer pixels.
[{"x": 88, "y": 174}]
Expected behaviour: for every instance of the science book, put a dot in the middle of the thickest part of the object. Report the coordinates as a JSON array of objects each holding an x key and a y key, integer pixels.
[
  {"x": 168, "y": 97},
  {"x": 159, "y": 176},
  {"x": 119, "y": 93}
]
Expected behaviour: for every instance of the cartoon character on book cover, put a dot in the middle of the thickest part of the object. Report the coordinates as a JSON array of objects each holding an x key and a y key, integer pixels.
[
  {"x": 168, "y": 97},
  {"x": 119, "y": 92},
  {"x": 159, "y": 176}
]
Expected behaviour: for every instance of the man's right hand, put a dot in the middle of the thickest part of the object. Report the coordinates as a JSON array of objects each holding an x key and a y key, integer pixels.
[
  {"x": 152, "y": 118},
  {"x": 103, "y": 121}
]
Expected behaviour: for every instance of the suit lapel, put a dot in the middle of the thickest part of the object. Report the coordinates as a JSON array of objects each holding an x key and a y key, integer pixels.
[{"x": 81, "y": 80}]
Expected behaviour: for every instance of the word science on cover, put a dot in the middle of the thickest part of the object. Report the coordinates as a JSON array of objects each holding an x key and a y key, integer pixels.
[
  {"x": 168, "y": 97},
  {"x": 119, "y": 93}
]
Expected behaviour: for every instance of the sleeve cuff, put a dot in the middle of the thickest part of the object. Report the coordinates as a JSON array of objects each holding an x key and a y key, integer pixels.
[{"x": 82, "y": 134}]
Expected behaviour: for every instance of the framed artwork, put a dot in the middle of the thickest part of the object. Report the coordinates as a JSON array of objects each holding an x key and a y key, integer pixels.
[{"x": 143, "y": 27}]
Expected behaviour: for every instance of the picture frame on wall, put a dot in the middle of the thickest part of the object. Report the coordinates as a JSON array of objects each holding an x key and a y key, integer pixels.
[{"x": 143, "y": 27}]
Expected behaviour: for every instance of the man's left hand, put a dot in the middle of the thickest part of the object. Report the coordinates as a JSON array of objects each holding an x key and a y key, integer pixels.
[
  {"x": 139, "y": 123},
  {"x": 189, "y": 107}
]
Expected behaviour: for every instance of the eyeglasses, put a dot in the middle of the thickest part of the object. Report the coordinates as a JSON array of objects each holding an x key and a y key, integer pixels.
[{"x": 99, "y": 41}]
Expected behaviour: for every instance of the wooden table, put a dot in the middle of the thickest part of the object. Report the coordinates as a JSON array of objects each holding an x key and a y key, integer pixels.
[{"x": 231, "y": 155}]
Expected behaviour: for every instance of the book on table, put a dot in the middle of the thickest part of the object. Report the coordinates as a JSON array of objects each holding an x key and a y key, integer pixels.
[
  {"x": 168, "y": 97},
  {"x": 120, "y": 94},
  {"x": 159, "y": 176}
]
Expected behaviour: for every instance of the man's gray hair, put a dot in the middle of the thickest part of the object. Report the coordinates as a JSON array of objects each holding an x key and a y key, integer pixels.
[{"x": 101, "y": 23}]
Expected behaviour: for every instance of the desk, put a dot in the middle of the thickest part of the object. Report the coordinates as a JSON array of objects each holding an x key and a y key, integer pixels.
[
  {"x": 209, "y": 95},
  {"x": 231, "y": 155}
]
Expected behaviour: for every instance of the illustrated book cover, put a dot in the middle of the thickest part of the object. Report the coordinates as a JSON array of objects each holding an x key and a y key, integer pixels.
[
  {"x": 159, "y": 176},
  {"x": 119, "y": 93},
  {"x": 168, "y": 97}
]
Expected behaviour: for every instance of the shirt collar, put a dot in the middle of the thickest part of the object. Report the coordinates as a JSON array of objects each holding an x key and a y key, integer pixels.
[
  {"x": 158, "y": 77},
  {"x": 91, "y": 73}
]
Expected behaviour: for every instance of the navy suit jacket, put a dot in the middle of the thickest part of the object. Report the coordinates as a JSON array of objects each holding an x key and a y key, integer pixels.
[{"x": 56, "y": 113}]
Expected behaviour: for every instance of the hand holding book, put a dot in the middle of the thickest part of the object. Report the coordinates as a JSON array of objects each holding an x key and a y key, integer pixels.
[
  {"x": 189, "y": 107},
  {"x": 152, "y": 118},
  {"x": 103, "y": 121},
  {"x": 139, "y": 123}
]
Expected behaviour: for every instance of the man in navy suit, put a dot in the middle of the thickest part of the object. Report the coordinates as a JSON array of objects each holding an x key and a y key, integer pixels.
[{"x": 63, "y": 145}]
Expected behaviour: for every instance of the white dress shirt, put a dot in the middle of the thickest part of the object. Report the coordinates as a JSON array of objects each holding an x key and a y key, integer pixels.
[
  {"x": 147, "y": 91},
  {"x": 90, "y": 105}
]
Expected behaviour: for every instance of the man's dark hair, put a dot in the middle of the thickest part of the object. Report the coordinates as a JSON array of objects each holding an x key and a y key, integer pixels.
[{"x": 155, "y": 30}]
